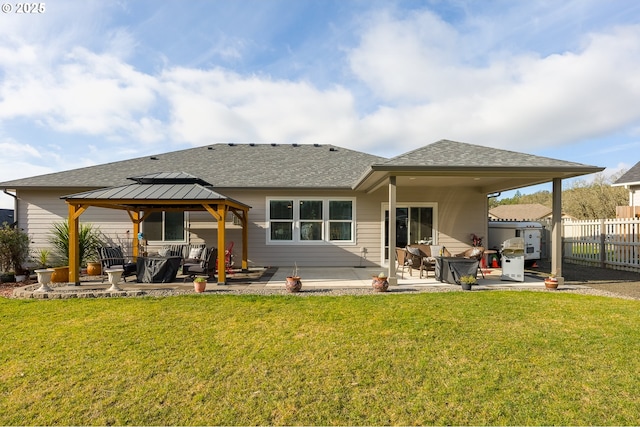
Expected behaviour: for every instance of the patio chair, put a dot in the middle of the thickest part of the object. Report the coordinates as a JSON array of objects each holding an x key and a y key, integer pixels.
[
  {"x": 204, "y": 267},
  {"x": 113, "y": 257},
  {"x": 403, "y": 262}
]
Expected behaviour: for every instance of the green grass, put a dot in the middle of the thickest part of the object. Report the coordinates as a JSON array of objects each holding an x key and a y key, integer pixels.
[{"x": 481, "y": 358}]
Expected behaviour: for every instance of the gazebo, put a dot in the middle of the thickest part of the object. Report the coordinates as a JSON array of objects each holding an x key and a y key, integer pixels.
[{"x": 156, "y": 193}]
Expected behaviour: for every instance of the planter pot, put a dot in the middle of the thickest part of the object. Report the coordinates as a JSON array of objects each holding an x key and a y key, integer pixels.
[
  {"x": 379, "y": 284},
  {"x": 44, "y": 278},
  {"x": 115, "y": 274},
  {"x": 466, "y": 286},
  {"x": 293, "y": 284},
  {"x": 60, "y": 275},
  {"x": 551, "y": 283},
  {"x": 94, "y": 269},
  {"x": 199, "y": 287}
]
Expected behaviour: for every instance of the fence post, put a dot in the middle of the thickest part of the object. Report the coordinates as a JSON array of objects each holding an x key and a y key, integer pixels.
[{"x": 603, "y": 236}]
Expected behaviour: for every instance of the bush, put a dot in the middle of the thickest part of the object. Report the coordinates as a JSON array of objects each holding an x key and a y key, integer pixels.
[{"x": 14, "y": 248}]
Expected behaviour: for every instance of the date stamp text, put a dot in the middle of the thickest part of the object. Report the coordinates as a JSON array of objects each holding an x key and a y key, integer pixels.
[{"x": 23, "y": 8}]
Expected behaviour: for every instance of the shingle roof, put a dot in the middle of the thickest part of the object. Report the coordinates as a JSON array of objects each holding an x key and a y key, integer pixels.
[
  {"x": 632, "y": 176},
  {"x": 446, "y": 153},
  {"x": 227, "y": 166}
]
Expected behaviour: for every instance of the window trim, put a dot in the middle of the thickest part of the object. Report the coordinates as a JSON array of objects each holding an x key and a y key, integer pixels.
[{"x": 325, "y": 221}]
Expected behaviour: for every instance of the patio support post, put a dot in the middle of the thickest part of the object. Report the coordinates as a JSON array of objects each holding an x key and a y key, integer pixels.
[
  {"x": 556, "y": 231},
  {"x": 393, "y": 280},
  {"x": 74, "y": 245},
  {"x": 245, "y": 241}
]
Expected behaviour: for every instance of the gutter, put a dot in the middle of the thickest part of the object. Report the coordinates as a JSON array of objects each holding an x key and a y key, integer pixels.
[{"x": 15, "y": 207}]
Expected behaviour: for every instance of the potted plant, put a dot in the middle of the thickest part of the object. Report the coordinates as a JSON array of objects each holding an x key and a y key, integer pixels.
[
  {"x": 293, "y": 282},
  {"x": 380, "y": 283},
  {"x": 467, "y": 282},
  {"x": 199, "y": 284},
  {"x": 551, "y": 282}
]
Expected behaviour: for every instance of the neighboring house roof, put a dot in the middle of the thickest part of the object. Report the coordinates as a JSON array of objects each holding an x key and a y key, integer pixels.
[
  {"x": 630, "y": 177},
  {"x": 227, "y": 166},
  {"x": 6, "y": 215},
  {"x": 522, "y": 212},
  {"x": 444, "y": 163}
]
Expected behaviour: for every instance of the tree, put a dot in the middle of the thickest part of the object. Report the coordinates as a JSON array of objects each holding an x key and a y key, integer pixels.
[{"x": 594, "y": 200}]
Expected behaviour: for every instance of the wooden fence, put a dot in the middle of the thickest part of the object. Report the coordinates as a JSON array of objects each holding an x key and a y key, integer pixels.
[{"x": 607, "y": 243}]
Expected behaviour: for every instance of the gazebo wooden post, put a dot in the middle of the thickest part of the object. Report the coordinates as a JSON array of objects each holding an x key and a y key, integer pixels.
[
  {"x": 135, "y": 218},
  {"x": 74, "y": 244}
]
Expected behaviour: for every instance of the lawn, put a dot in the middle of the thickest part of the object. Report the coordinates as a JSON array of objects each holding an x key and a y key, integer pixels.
[{"x": 474, "y": 358}]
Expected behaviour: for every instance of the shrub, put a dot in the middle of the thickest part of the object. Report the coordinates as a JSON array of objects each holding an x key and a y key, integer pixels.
[{"x": 14, "y": 248}]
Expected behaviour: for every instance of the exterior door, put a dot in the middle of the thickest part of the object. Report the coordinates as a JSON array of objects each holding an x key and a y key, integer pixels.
[{"x": 414, "y": 224}]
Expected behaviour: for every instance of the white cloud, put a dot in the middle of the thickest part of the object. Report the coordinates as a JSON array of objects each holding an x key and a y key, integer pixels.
[
  {"x": 417, "y": 66},
  {"x": 218, "y": 105}
]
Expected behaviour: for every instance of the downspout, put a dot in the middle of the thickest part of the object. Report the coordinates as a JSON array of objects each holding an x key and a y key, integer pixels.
[{"x": 15, "y": 207}]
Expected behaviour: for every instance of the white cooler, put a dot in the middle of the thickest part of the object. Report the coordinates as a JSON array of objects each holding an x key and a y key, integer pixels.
[{"x": 513, "y": 259}]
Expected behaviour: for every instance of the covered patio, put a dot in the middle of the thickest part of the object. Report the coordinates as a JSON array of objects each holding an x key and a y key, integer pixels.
[{"x": 156, "y": 193}]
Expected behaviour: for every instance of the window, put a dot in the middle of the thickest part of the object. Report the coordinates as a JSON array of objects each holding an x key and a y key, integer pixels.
[
  {"x": 310, "y": 220},
  {"x": 164, "y": 227}
]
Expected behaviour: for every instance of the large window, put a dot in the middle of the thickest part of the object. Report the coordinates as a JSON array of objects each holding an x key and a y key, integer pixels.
[
  {"x": 164, "y": 227},
  {"x": 311, "y": 220}
]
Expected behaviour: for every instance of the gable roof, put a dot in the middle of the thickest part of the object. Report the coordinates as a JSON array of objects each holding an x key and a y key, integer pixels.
[
  {"x": 226, "y": 166},
  {"x": 630, "y": 177},
  {"x": 521, "y": 212}
]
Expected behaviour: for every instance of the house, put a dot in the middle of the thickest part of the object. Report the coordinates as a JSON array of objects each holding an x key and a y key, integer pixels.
[
  {"x": 522, "y": 212},
  {"x": 310, "y": 205},
  {"x": 631, "y": 181}
]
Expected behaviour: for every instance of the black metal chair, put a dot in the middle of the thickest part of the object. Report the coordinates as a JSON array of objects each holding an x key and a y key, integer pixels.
[
  {"x": 205, "y": 267},
  {"x": 113, "y": 257}
]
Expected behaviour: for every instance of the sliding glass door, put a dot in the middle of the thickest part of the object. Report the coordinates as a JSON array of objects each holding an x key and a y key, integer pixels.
[{"x": 414, "y": 224}]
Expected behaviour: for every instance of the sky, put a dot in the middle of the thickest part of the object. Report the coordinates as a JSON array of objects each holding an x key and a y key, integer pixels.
[{"x": 91, "y": 82}]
